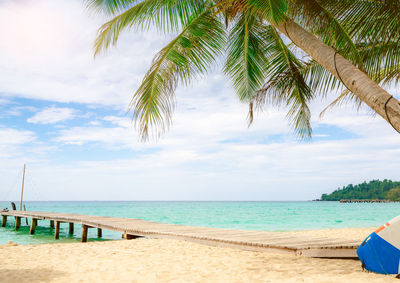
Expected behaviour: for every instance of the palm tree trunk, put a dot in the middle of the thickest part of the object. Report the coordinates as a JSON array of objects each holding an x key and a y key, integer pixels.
[{"x": 356, "y": 80}]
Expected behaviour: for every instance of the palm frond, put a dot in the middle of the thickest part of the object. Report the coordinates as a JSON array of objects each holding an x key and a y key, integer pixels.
[
  {"x": 368, "y": 20},
  {"x": 319, "y": 79},
  {"x": 166, "y": 15},
  {"x": 273, "y": 11},
  {"x": 379, "y": 57},
  {"x": 109, "y": 6},
  {"x": 286, "y": 84},
  {"x": 189, "y": 54},
  {"x": 389, "y": 75},
  {"x": 345, "y": 97},
  {"x": 246, "y": 63}
]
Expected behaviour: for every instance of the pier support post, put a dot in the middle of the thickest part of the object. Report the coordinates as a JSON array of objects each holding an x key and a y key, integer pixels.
[
  {"x": 57, "y": 231},
  {"x": 99, "y": 233},
  {"x": 84, "y": 233},
  {"x": 17, "y": 223},
  {"x": 4, "y": 221},
  {"x": 52, "y": 223},
  {"x": 129, "y": 236},
  {"x": 71, "y": 228},
  {"x": 33, "y": 226}
]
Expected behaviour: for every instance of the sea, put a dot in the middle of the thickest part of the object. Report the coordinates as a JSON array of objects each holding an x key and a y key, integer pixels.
[{"x": 246, "y": 215}]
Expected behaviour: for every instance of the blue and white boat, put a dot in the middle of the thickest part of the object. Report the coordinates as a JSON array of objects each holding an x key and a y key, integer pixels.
[{"x": 380, "y": 251}]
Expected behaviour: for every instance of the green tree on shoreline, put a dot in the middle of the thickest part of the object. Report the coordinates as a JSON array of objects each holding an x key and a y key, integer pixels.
[
  {"x": 393, "y": 194},
  {"x": 374, "y": 189},
  {"x": 336, "y": 42}
]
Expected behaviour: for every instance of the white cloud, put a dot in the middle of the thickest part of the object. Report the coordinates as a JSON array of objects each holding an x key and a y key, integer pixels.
[
  {"x": 108, "y": 136},
  {"x": 15, "y": 137},
  {"x": 94, "y": 123},
  {"x": 247, "y": 171},
  {"x": 52, "y": 115},
  {"x": 199, "y": 153},
  {"x": 18, "y": 110},
  {"x": 14, "y": 144}
]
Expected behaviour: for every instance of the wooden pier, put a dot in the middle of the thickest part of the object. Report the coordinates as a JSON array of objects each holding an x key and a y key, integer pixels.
[
  {"x": 366, "y": 200},
  {"x": 242, "y": 239}
]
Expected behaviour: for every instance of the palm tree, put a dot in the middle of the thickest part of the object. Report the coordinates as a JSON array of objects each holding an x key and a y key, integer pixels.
[{"x": 335, "y": 43}]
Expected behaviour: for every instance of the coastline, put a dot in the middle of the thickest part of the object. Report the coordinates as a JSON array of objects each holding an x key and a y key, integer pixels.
[{"x": 166, "y": 260}]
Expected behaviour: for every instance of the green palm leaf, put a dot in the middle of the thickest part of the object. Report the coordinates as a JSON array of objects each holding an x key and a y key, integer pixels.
[
  {"x": 109, "y": 6},
  {"x": 246, "y": 62},
  {"x": 389, "y": 75},
  {"x": 369, "y": 20},
  {"x": 319, "y": 79},
  {"x": 379, "y": 57},
  {"x": 190, "y": 53},
  {"x": 167, "y": 15},
  {"x": 286, "y": 85},
  {"x": 274, "y": 11}
]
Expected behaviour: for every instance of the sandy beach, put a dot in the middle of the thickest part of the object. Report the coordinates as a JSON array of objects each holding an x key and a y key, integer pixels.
[{"x": 165, "y": 260}]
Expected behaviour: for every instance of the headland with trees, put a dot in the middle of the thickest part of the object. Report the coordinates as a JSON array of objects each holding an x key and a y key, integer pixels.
[{"x": 373, "y": 190}]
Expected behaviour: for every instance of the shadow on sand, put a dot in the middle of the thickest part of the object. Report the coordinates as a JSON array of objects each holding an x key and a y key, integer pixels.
[{"x": 22, "y": 275}]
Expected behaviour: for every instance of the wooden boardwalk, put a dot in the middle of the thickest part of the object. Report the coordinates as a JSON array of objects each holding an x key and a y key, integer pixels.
[{"x": 247, "y": 240}]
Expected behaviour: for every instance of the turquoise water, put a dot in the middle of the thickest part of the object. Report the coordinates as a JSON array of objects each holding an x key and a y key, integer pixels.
[{"x": 268, "y": 216}]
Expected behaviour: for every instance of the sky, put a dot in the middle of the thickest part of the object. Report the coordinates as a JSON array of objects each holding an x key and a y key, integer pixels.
[{"x": 64, "y": 114}]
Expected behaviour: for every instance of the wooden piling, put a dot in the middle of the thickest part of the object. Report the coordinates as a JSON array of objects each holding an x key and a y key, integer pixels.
[
  {"x": 71, "y": 228},
  {"x": 57, "y": 231},
  {"x": 26, "y": 219},
  {"x": 4, "y": 221},
  {"x": 17, "y": 222},
  {"x": 129, "y": 236},
  {"x": 84, "y": 233},
  {"x": 33, "y": 226},
  {"x": 51, "y": 223},
  {"x": 99, "y": 233}
]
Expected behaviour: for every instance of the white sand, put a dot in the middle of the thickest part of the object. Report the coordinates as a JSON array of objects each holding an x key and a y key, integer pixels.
[{"x": 162, "y": 260}]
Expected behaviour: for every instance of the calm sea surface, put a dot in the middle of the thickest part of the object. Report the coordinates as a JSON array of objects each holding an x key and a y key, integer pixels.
[{"x": 268, "y": 216}]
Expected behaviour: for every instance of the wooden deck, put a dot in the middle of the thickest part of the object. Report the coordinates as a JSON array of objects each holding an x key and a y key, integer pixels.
[{"x": 242, "y": 239}]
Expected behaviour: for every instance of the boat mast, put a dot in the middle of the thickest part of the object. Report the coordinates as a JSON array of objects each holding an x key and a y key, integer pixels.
[{"x": 22, "y": 191}]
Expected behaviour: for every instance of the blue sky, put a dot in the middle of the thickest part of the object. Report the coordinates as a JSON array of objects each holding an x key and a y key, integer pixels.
[{"x": 65, "y": 115}]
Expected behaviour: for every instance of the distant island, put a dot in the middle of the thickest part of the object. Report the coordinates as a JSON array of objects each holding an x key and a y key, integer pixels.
[{"x": 373, "y": 190}]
